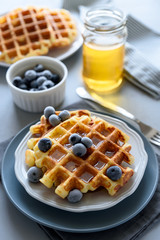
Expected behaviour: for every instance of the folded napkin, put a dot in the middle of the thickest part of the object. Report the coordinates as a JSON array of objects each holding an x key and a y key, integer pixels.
[
  {"x": 137, "y": 69},
  {"x": 130, "y": 230}
]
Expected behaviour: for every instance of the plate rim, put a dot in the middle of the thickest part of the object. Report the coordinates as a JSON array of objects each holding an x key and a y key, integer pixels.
[
  {"x": 129, "y": 190},
  {"x": 52, "y": 224}
]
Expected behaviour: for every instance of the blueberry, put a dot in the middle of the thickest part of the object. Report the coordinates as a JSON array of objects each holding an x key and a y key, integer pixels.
[
  {"x": 54, "y": 120},
  {"x": 33, "y": 89},
  {"x": 30, "y": 75},
  {"x": 74, "y": 138},
  {"x": 87, "y": 142},
  {"x": 64, "y": 115},
  {"x": 55, "y": 78},
  {"x": 44, "y": 144},
  {"x": 47, "y": 74},
  {"x": 41, "y": 80},
  {"x": 34, "y": 84},
  {"x": 74, "y": 196},
  {"x": 34, "y": 174},
  {"x": 79, "y": 150},
  {"x": 48, "y": 84},
  {"x": 114, "y": 173},
  {"x": 24, "y": 80},
  {"x": 48, "y": 111},
  {"x": 17, "y": 81},
  {"x": 41, "y": 88},
  {"x": 39, "y": 68},
  {"x": 23, "y": 86}
]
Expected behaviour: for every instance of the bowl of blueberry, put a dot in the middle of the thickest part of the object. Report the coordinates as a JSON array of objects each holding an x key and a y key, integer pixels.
[{"x": 37, "y": 82}]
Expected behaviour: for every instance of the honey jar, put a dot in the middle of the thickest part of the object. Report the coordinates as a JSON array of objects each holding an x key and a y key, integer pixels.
[{"x": 104, "y": 37}]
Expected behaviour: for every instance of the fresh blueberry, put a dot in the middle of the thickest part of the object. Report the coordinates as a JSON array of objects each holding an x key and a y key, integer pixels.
[
  {"x": 48, "y": 111},
  {"x": 30, "y": 75},
  {"x": 41, "y": 88},
  {"x": 74, "y": 196},
  {"x": 55, "y": 78},
  {"x": 17, "y": 81},
  {"x": 34, "y": 84},
  {"x": 87, "y": 142},
  {"x": 64, "y": 115},
  {"x": 24, "y": 80},
  {"x": 54, "y": 120},
  {"x": 41, "y": 80},
  {"x": 74, "y": 138},
  {"x": 44, "y": 144},
  {"x": 47, "y": 74},
  {"x": 39, "y": 68},
  {"x": 33, "y": 89},
  {"x": 114, "y": 173},
  {"x": 34, "y": 174},
  {"x": 48, "y": 84},
  {"x": 23, "y": 86},
  {"x": 79, "y": 150}
]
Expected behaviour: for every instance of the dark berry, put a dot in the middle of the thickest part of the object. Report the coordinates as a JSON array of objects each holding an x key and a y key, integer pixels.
[
  {"x": 34, "y": 174},
  {"x": 33, "y": 89},
  {"x": 41, "y": 80},
  {"x": 34, "y": 84},
  {"x": 74, "y": 196},
  {"x": 87, "y": 142},
  {"x": 39, "y": 68},
  {"x": 23, "y": 86},
  {"x": 74, "y": 138},
  {"x": 114, "y": 173},
  {"x": 30, "y": 75},
  {"x": 48, "y": 84},
  {"x": 55, "y": 78},
  {"x": 48, "y": 111},
  {"x": 79, "y": 150},
  {"x": 47, "y": 74},
  {"x": 17, "y": 81},
  {"x": 54, "y": 120},
  {"x": 44, "y": 144},
  {"x": 64, "y": 115},
  {"x": 41, "y": 88}
]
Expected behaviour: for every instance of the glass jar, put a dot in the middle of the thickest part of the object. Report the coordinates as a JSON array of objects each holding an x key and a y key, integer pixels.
[{"x": 104, "y": 49}]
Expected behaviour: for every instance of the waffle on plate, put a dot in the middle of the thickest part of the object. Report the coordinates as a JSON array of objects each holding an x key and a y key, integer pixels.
[
  {"x": 65, "y": 170},
  {"x": 34, "y": 31}
]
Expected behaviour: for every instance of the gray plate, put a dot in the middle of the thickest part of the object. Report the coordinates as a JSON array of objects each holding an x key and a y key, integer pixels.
[{"x": 78, "y": 222}]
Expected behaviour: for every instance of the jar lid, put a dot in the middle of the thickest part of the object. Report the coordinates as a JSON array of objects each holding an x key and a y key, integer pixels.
[{"x": 104, "y": 19}]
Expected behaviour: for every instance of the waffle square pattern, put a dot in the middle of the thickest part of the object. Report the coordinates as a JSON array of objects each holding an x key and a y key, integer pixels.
[
  {"x": 34, "y": 31},
  {"x": 66, "y": 171}
]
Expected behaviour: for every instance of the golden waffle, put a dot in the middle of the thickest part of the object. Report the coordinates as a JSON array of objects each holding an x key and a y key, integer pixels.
[
  {"x": 66, "y": 171},
  {"x": 32, "y": 31}
]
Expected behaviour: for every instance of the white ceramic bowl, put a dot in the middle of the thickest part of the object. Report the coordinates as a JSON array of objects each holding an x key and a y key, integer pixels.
[{"x": 37, "y": 101}]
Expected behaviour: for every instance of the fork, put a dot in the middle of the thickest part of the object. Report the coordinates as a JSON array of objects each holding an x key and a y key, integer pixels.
[{"x": 151, "y": 134}]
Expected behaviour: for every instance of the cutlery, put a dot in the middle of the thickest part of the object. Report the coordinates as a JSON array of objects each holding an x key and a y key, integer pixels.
[{"x": 151, "y": 134}]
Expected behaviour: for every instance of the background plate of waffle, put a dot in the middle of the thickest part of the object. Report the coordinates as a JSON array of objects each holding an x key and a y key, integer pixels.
[
  {"x": 25, "y": 33},
  {"x": 91, "y": 201}
]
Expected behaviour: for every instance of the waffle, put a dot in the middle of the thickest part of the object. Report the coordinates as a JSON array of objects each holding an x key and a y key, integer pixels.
[
  {"x": 32, "y": 31},
  {"x": 65, "y": 171}
]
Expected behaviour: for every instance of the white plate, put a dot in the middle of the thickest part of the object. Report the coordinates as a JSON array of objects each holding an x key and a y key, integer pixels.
[
  {"x": 91, "y": 201},
  {"x": 64, "y": 52}
]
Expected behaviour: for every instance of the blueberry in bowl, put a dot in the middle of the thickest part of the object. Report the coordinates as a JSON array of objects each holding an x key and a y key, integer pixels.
[{"x": 37, "y": 82}]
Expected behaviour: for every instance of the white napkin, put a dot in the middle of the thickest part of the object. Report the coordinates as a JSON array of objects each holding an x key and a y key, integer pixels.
[{"x": 138, "y": 69}]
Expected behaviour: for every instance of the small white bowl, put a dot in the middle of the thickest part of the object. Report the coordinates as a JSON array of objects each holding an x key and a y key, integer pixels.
[{"x": 38, "y": 100}]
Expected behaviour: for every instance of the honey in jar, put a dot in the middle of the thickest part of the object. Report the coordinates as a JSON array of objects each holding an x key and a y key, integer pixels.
[{"x": 104, "y": 49}]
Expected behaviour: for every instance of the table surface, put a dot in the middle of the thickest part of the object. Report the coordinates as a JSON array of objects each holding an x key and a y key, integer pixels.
[{"x": 13, "y": 224}]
